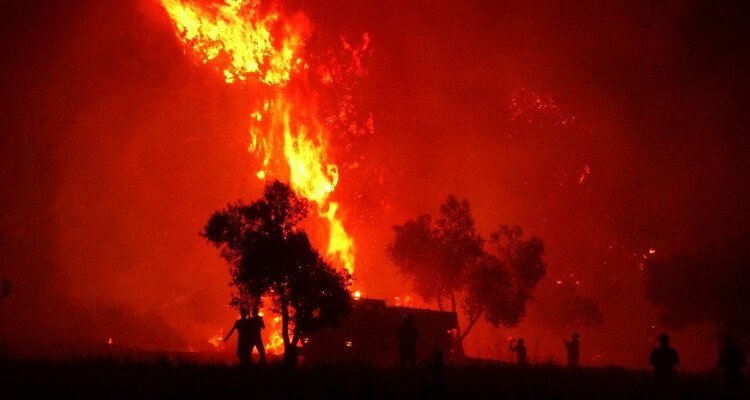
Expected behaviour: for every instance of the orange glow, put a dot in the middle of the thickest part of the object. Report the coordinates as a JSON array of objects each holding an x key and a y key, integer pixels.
[
  {"x": 403, "y": 301},
  {"x": 109, "y": 341},
  {"x": 275, "y": 343},
  {"x": 217, "y": 341}
]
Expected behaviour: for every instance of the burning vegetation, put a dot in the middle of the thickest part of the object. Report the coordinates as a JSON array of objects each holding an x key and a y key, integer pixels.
[
  {"x": 271, "y": 257},
  {"x": 259, "y": 48}
]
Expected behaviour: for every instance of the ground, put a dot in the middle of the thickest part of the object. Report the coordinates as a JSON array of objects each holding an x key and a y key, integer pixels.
[{"x": 108, "y": 378}]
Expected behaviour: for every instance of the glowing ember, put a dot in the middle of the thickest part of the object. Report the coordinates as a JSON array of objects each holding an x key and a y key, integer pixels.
[
  {"x": 109, "y": 341},
  {"x": 357, "y": 295},
  {"x": 529, "y": 106},
  {"x": 217, "y": 341},
  {"x": 586, "y": 172}
]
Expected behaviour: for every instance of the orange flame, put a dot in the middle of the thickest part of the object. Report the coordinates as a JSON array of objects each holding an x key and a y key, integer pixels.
[
  {"x": 217, "y": 341},
  {"x": 275, "y": 343},
  {"x": 239, "y": 39},
  {"x": 243, "y": 42}
]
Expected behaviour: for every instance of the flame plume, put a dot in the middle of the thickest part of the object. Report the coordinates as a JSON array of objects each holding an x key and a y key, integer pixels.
[
  {"x": 239, "y": 40},
  {"x": 247, "y": 42},
  {"x": 253, "y": 45}
]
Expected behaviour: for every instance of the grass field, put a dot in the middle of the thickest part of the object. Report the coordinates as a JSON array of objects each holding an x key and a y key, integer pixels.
[{"x": 165, "y": 379}]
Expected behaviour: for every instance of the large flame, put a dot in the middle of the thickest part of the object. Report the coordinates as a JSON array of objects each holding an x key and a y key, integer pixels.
[
  {"x": 246, "y": 43},
  {"x": 239, "y": 40}
]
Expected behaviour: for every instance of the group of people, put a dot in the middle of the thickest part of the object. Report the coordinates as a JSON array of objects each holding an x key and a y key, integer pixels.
[
  {"x": 572, "y": 347},
  {"x": 663, "y": 359},
  {"x": 249, "y": 336}
]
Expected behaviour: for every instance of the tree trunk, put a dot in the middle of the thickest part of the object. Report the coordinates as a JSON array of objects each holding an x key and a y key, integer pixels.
[
  {"x": 290, "y": 350},
  {"x": 472, "y": 320},
  {"x": 290, "y": 356},
  {"x": 458, "y": 340},
  {"x": 458, "y": 347}
]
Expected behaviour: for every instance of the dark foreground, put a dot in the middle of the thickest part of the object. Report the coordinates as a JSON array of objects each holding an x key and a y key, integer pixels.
[{"x": 164, "y": 379}]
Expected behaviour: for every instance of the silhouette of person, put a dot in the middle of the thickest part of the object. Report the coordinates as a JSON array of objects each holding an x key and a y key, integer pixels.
[
  {"x": 732, "y": 360},
  {"x": 407, "y": 342},
  {"x": 664, "y": 359},
  {"x": 436, "y": 370},
  {"x": 248, "y": 336},
  {"x": 520, "y": 349},
  {"x": 573, "y": 348}
]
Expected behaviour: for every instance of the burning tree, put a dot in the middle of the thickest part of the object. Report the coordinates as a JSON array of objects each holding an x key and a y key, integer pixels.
[
  {"x": 257, "y": 45},
  {"x": 269, "y": 255},
  {"x": 448, "y": 261}
]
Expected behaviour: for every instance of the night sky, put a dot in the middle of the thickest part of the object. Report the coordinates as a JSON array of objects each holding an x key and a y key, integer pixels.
[{"x": 116, "y": 147}]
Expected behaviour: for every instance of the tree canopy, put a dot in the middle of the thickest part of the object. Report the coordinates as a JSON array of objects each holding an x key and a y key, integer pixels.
[
  {"x": 270, "y": 255},
  {"x": 448, "y": 262}
]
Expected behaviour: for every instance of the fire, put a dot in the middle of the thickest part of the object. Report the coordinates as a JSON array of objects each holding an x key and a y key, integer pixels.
[
  {"x": 217, "y": 341},
  {"x": 245, "y": 42},
  {"x": 275, "y": 343},
  {"x": 403, "y": 301},
  {"x": 239, "y": 40}
]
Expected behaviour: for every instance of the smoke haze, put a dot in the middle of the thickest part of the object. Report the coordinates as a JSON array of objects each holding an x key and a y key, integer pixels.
[{"x": 607, "y": 130}]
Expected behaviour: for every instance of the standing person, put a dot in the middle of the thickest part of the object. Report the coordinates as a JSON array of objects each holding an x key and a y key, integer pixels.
[
  {"x": 732, "y": 359},
  {"x": 664, "y": 359},
  {"x": 520, "y": 349},
  {"x": 407, "y": 342},
  {"x": 248, "y": 336},
  {"x": 573, "y": 347}
]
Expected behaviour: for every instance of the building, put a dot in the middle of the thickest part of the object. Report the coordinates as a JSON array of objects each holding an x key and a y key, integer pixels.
[{"x": 368, "y": 335}]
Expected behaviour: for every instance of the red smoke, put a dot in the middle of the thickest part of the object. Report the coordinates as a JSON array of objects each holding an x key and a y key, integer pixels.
[{"x": 606, "y": 130}]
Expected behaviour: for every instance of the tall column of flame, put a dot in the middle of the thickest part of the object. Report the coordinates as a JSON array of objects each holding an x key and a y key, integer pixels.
[{"x": 247, "y": 42}]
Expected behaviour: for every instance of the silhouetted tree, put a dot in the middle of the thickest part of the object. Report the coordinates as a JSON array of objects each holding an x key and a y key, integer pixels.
[
  {"x": 708, "y": 285},
  {"x": 269, "y": 255},
  {"x": 446, "y": 262}
]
